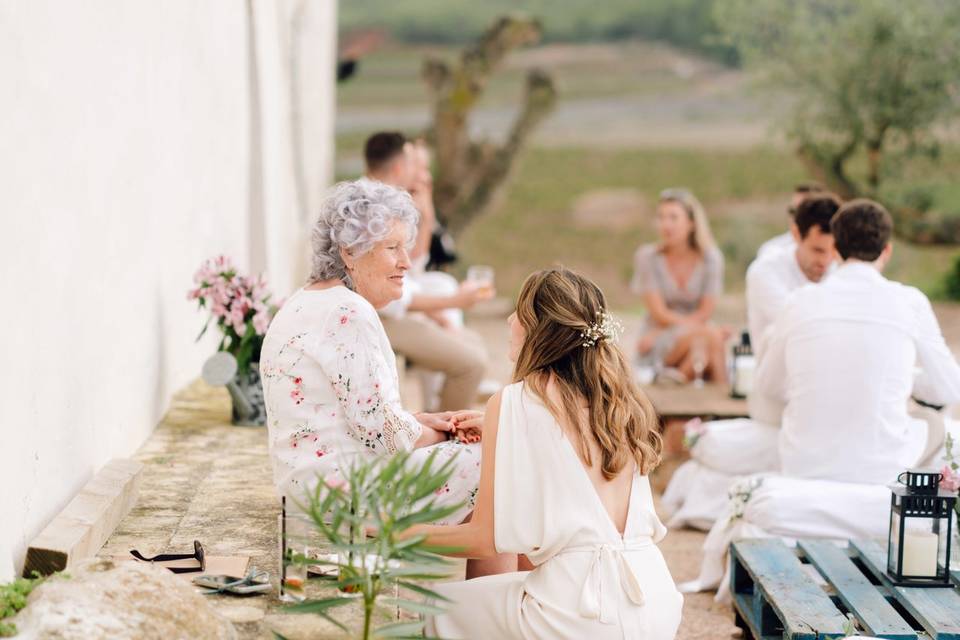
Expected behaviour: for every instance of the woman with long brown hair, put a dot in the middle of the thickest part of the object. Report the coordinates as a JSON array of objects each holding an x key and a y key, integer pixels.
[{"x": 566, "y": 452}]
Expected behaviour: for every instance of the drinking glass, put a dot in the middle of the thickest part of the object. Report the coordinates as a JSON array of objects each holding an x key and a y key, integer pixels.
[
  {"x": 482, "y": 276},
  {"x": 296, "y": 532},
  {"x": 698, "y": 359},
  {"x": 356, "y": 535}
]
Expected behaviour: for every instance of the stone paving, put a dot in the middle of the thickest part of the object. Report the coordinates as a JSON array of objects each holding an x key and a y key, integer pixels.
[{"x": 205, "y": 479}]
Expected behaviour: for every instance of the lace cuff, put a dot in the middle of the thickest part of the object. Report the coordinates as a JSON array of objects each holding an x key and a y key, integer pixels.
[{"x": 399, "y": 434}]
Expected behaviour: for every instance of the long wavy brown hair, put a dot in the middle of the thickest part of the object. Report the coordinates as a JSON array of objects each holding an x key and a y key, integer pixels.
[{"x": 556, "y": 307}]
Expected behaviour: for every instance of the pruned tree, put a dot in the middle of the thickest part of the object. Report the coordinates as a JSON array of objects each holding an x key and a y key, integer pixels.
[
  {"x": 871, "y": 80},
  {"x": 469, "y": 172}
]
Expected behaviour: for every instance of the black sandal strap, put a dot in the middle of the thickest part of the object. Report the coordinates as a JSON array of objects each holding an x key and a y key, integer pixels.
[{"x": 198, "y": 554}]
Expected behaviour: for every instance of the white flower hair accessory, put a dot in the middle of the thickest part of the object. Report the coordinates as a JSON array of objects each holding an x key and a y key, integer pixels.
[{"x": 606, "y": 328}]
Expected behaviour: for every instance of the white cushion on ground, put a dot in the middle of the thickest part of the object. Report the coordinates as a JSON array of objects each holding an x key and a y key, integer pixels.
[
  {"x": 737, "y": 447},
  {"x": 696, "y": 496}
]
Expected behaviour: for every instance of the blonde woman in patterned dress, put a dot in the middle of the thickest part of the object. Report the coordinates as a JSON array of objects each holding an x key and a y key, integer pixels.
[{"x": 329, "y": 373}]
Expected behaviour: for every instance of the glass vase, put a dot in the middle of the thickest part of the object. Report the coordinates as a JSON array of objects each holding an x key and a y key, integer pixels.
[{"x": 246, "y": 395}]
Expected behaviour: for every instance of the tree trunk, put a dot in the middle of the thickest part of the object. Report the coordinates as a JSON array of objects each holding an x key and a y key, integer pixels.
[
  {"x": 830, "y": 168},
  {"x": 874, "y": 159},
  {"x": 468, "y": 173}
]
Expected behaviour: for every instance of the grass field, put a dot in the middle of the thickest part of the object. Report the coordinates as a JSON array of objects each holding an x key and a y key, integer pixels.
[
  {"x": 633, "y": 119},
  {"x": 546, "y": 216},
  {"x": 686, "y": 23}
]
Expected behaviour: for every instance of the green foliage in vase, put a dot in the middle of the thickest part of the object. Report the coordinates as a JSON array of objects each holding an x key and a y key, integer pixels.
[{"x": 387, "y": 496}]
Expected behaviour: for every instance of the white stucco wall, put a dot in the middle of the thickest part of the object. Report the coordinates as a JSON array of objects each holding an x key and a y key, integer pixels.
[{"x": 136, "y": 139}]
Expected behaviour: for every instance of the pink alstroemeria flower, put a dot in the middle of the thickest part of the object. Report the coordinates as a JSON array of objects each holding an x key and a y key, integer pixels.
[
  {"x": 693, "y": 430},
  {"x": 260, "y": 323},
  {"x": 951, "y": 479}
]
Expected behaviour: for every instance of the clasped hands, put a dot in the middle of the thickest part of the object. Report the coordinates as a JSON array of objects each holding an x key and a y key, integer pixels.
[{"x": 465, "y": 426}]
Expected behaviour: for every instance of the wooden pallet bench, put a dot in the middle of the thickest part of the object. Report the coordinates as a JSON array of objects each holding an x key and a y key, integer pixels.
[{"x": 776, "y": 596}]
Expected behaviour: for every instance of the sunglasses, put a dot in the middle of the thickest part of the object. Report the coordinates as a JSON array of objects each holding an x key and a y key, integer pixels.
[
  {"x": 675, "y": 194},
  {"x": 197, "y": 555}
]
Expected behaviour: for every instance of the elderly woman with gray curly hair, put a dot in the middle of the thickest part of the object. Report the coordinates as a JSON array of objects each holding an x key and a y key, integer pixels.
[{"x": 329, "y": 373}]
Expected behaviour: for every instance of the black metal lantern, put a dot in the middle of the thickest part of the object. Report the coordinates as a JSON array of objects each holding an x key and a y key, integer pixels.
[{"x": 918, "y": 550}]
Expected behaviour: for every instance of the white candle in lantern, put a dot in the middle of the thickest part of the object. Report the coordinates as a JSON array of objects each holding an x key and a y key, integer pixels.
[{"x": 920, "y": 553}]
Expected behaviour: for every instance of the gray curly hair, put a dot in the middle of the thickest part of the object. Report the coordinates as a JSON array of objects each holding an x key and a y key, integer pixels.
[{"x": 356, "y": 215}]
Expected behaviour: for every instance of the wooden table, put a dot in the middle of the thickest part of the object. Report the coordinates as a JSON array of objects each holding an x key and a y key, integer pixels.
[
  {"x": 774, "y": 596},
  {"x": 711, "y": 401}
]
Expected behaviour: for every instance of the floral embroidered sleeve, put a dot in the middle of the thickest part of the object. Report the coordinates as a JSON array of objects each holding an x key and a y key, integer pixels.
[{"x": 350, "y": 355}]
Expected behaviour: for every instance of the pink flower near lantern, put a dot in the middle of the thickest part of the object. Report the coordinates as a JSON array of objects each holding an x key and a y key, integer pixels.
[{"x": 950, "y": 480}]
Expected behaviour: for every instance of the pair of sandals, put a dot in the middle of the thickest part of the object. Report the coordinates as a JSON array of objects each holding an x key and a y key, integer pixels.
[
  {"x": 254, "y": 582},
  {"x": 178, "y": 562}
]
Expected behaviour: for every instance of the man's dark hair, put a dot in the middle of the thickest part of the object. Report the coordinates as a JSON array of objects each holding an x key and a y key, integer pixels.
[
  {"x": 816, "y": 211},
  {"x": 861, "y": 230},
  {"x": 806, "y": 189},
  {"x": 809, "y": 187},
  {"x": 381, "y": 148}
]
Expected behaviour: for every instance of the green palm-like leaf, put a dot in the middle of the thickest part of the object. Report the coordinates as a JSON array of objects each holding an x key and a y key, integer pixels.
[
  {"x": 427, "y": 593},
  {"x": 320, "y": 607},
  {"x": 399, "y": 630},
  {"x": 426, "y": 515},
  {"x": 412, "y": 605},
  {"x": 440, "y": 550},
  {"x": 409, "y": 542},
  {"x": 390, "y": 495}
]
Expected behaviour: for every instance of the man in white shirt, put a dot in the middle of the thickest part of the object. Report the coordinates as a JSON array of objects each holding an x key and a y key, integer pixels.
[
  {"x": 425, "y": 325},
  {"x": 773, "y": 276},
  {"x": 786, "y": 240},
  {"x": 840, "y": 361}
]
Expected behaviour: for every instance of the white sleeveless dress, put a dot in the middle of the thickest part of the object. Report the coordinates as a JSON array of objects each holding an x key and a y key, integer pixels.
[{"x": 589, "y": 581}]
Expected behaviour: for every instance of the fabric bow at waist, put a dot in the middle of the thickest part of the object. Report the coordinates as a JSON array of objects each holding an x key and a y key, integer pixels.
[{"x": 608, "y": 576}]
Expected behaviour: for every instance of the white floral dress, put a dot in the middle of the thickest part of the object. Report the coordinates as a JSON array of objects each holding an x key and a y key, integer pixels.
[{"x": 331, "y": 391}]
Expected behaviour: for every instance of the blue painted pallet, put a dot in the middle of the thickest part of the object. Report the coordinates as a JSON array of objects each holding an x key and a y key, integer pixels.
[
  {"x": 776, "y": 597},
  {"x": 936, "y": 610}
]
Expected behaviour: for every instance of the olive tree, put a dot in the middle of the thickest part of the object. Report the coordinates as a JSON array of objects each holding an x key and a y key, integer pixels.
[
  {"x": 468, "y": 172},
  {"x": 870, "y": 81}
]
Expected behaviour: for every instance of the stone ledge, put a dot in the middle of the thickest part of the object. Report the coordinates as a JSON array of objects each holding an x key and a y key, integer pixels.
[{"x": 84, "y": 525}]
